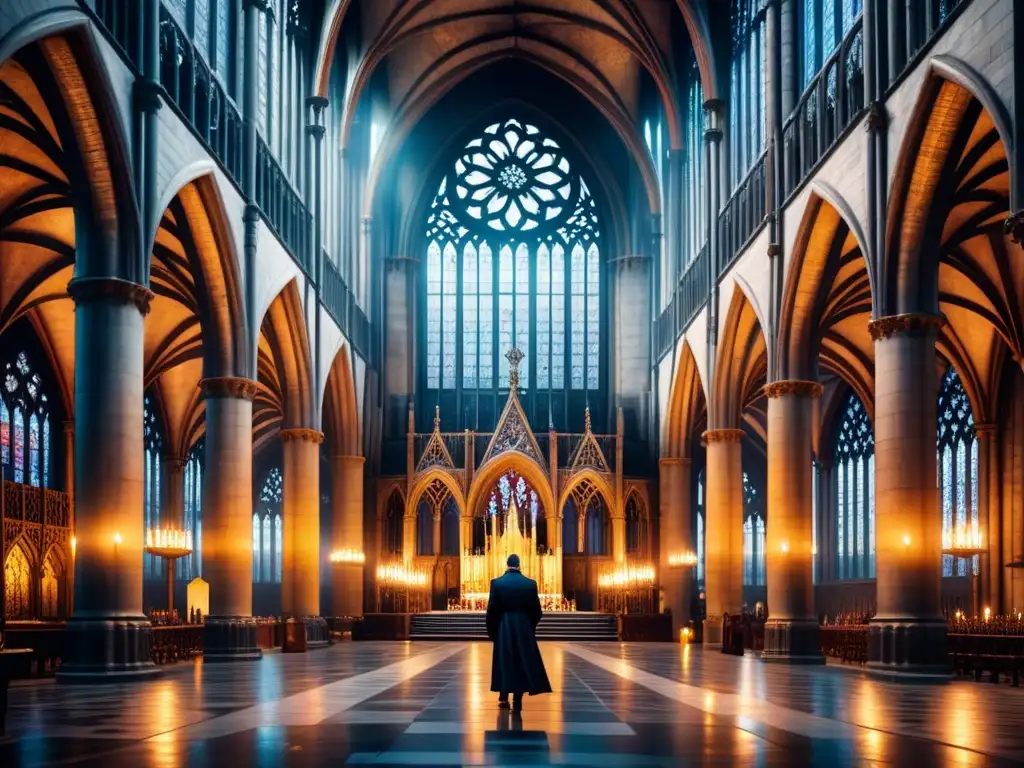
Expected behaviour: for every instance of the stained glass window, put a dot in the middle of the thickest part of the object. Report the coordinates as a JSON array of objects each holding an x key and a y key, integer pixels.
[
  {"x": 267, "y": 529},
  {"x": 754, "y": 566},
  {"x": 201, "y": 32},
  {"x": 191, "y": 567},
  {"x": 512, "y": 197},
  {"x": 19, "y": 446},
  {"x": 853, "y": 466},
  {"x": 24, "y": 423},
  {"x": 693, "y": 170},
  {"x": 700, "y": 528},
  {"x": 824, "y": 24},
  {"x": 747, "y": 131},
  {"x": 957, "y": 452},
  {"x": 153, "y": 444}
]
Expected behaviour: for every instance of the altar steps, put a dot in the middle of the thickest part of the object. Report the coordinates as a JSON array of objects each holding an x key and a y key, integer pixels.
[{"x": 471, "y": 625}]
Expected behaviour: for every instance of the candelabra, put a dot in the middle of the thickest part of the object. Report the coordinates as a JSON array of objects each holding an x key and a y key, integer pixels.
[
  {"x": 686, "y": 559},
  {"x": 401, "y": 588},
  {"x": 353, "y": 556},
  {"x": 964, "y": 542},
  {"x": 170, "y": 544},
  {"x": 627, "y": 588}
]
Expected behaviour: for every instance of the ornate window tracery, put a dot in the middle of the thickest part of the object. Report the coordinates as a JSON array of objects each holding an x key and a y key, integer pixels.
[
  {"x": 754, "y": 534},
  {"x": 747, "y": 124},
  {"x": 25, "y": 415},
  {"x": 513, "y": 258},
  {"x": 267, "y": 530},
  {"x": 191, "y": 567},
  {"x": 957, "y": 457},
  {"x": 823, "y": 25},
  {"x": 854, "y": 471},
  {"x": 693, "y": 169},
  {"x": 637, "y": 536}
]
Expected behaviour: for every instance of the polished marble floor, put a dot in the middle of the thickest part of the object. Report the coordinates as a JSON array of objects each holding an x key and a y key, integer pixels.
[{"x": 428, "y": 704}]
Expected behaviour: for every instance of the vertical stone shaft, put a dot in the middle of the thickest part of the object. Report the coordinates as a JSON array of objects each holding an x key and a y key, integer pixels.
[
  {"x": 347, "y": 519},
  {"x": 791, "y": 633},
  {"x": 908, "y": 633},
  {"x": 300, "y": 581},
  {"x": 723, "y": 530},
  {"x": 230, "y": 632},
  {"x": 676, "y": 527},
  {"x": 108, "y": 636}
]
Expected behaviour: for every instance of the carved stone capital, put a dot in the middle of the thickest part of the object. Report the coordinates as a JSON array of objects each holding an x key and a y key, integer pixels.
[
  {"x": 148, "y": 95},
  {"x": 1014, "y": 227},
  {"x": 674, "y": 461},
  {"x": 723, "y": 436},
  {"x": 229, "y": 386},
  {"x": 86, "y": 289},
  {"x": 792, "y": 387},
  {"x": 912, "y": 323},
  {"x": 316, "y": 131},
  {"x": 774, "y": 249},
  {"x": 302, "y": 434},
  {"x": 878, "y": 118}
]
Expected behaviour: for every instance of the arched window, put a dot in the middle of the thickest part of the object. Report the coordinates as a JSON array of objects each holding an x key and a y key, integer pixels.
[
  {"x": 694, "y": 206},
  {"x": 598, "y": 537},
  {"x": 570, "y": 528},
  {"x": 394, "y": 512},
  {"x": 153, "y": 443},
  {"x": 25, "y": 415},
  {"x": 267, "y": 530},
  {"x": 17, "y": 581},
  {"x": 753, "y": 534},
  {"x": 513, "y": 230},
  {"x": 957, "y": 449},
  {"x": 450, "y": 527},
  {"x": 854, "y": 471},
  {"x": 636, "y": 526},
  {"x": 823, "y": 24},
  {"x": 191, "y": 567},
  {"x": 747, "y": 135},
  {"x": 49, "y": 591},
  {"x": 424, "y": 528}
]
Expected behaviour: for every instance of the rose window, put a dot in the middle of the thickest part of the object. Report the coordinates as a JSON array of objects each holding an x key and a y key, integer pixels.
[{"x": 514, "y": 179}]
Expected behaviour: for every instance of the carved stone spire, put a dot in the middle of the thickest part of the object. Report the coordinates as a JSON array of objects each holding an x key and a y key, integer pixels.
[
  {"x": 437, "y": 418},
  {"x": 586, "y": 420},
  {"x": 514, "y": 357}
]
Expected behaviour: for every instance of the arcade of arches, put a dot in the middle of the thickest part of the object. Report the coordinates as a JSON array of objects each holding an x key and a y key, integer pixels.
[{"x": 350, "y": 301}]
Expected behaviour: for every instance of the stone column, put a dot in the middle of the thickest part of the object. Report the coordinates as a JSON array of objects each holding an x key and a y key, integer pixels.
[
  {"x": 988, "y": 519},
  {"x": 230, "y": 632},
  {"x": 108, "y": 637},
  {"x": 676, "y": 529},
  {"x": 618, "y": 537},
  {"x": 300, "y": 582},
  {"x": 908, "y": 634},
  {"x": 791, "y": 633},
  {"x": 723, "y": 530},
  {"x": 347, "y": 528},
  {"x": 69, "y": 487}
]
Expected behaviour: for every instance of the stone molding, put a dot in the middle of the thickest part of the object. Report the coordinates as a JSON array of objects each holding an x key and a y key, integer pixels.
[
  {"x": 316, "y": 131},
  {"x": 988, "y": 428},
  {"x": 723, "y": 436},
  {"x": 1014, "y": 227},
  {"x": 84, "y": 289},
  {"x": 229, "y": 386},
  {"x": 359, "y": 459},
  {"x": 912, "y": 322},
  {"x": 675, "y": 461},
  {"x": 774, "y": 249},
  {"x": 303, "y": 435},
  {"x": 793, "y": 387}
]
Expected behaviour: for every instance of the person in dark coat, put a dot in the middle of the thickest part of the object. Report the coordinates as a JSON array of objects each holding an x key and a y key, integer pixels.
[{"x": 513, "y": 612}]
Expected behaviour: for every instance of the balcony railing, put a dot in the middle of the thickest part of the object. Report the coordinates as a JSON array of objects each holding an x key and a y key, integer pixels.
[
  {"x": 122, "y": 21},
  {"x": 282, "y": 208},
  {"x": 831, "y": 103},
  {"x": 341, "y": 304},
  {"x": 744, "y": 213},
  {"x": 689, "y": 297},
  {"x": 920, "y": 21},
  {"x": 199, "y": 98}
]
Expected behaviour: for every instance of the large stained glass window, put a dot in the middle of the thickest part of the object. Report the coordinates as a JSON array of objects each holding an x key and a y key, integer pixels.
[
  {"x": 25, "y": 415},
  {"x": 267, "y": 533},
  {"x": 747, "y": 124},
  {"x": 700, "y": 529},
  {"x": 957, "y": 454},
  {"x": 854, "y": 472},
  {"x": 190, "y": 567},
  {"x": 754, "y": 534},
  {"x": 823, "y": 24},
  {"x": 153, "y": 443},
  {"x": 513, "y": 258},
  {"x": 694, "y": 204}
]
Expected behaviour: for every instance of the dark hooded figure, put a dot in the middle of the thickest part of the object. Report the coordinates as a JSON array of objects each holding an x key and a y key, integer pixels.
[{"x": 513, "y": 611}]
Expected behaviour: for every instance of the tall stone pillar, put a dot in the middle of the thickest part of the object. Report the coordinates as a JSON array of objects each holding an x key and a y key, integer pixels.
[
  {"x": 300, "y": 582},
  {"x": 69, "y": 487},
  {"x": 791, "y": 633},
  {"x": 108, "y": 637},
  {"x": 676, "y": 529},
  {"x": 229, "y": 633},
  {"x": 908, "y": 634},
  {"x": 347, "y": 528},
  {"x": 618, "y": 537},
  {"x": 436, "y": 532},
  {"x": 989, "y": 519},
  {"x": 723, "y": 530}
]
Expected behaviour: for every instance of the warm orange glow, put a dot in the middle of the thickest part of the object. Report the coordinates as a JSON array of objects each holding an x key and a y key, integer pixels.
[
  {"x": 627, "y": 577},
  {"x": 906, "y": 539},
  {"x": 686, "y": 559},
  {"x": 400, "y": 576},
  {"x": 74, "y": 546},
  {"x": 348, "y": 556},
  {"x": 168, "y": 541},
  {"x": 685, "y": 635},
  {"x": 117, "y": 538},
  {"x": 988, "y": 613},
  {"x": 785, "y": 547},
  {"x": 965, "y": 537}
]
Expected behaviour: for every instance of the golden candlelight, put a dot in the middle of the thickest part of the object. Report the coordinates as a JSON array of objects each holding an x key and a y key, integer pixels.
[
  {"x": 348, "y": 555},
  {"x": 686, "y": 559},
  {"x": 628, "y": 577}
]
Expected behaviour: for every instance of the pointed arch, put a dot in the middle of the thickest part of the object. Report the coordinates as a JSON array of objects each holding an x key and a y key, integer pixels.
[
  {"x": 600, "y": 483},
  {"x": 487, "y": 475},
  {"x": 828, "y": 298},
  {"x": 340, "y": 415},
  {"x": 687, "y": 406},
  {"x": 428, "y": 478},
  {"x": 742, "y": 363},
  {"x": 284, "y": 396}
]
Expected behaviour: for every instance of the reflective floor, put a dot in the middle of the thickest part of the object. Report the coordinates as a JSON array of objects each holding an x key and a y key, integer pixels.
[{"x": 424, "y": 704}]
